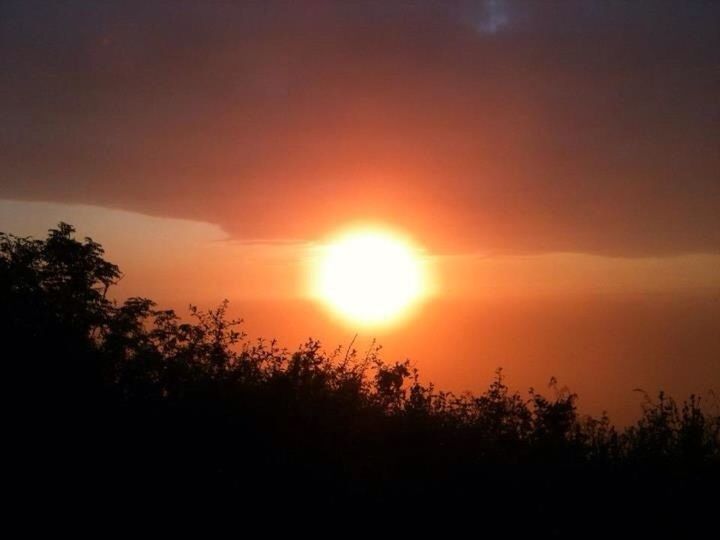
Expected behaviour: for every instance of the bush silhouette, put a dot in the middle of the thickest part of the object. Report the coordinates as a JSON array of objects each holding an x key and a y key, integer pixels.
[{"x": 131, "y": 401}]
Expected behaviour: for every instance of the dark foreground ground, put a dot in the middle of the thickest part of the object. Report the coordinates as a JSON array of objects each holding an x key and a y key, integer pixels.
[{"x": 120, "y": 414}]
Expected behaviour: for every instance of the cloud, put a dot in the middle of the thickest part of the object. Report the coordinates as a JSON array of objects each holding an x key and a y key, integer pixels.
[
  {"x": 494, "y": 16},
  {"x": 573, "y": 126}
]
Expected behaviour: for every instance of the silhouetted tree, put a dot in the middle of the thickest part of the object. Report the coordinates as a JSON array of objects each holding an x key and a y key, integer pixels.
[{"x": 132, "y": 401}]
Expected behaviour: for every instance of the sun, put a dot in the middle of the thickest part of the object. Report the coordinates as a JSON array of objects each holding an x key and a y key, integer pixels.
[{"x": 370, "y": 276}]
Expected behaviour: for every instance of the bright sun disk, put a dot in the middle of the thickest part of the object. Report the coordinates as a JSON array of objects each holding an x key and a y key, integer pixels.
[{"x": 370, "y": 276}]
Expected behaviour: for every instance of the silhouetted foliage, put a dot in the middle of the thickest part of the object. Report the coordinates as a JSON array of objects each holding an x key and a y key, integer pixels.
[{"x": 130, "y": 400}]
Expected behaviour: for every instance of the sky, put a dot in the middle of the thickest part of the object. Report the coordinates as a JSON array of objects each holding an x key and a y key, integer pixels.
[{"x": 558, "y": 162}]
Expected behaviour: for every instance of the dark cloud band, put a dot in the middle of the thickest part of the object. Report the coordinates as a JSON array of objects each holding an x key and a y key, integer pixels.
[{"x": 506, "y": 126}]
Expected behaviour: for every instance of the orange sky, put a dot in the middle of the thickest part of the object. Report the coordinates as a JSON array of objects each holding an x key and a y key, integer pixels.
[
  {"x": 602, "y": 325},
  {"x": 557, "y": 162}
]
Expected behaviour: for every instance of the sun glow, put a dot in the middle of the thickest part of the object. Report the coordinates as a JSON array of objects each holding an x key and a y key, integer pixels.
[{"x": 370, "y": 276}]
